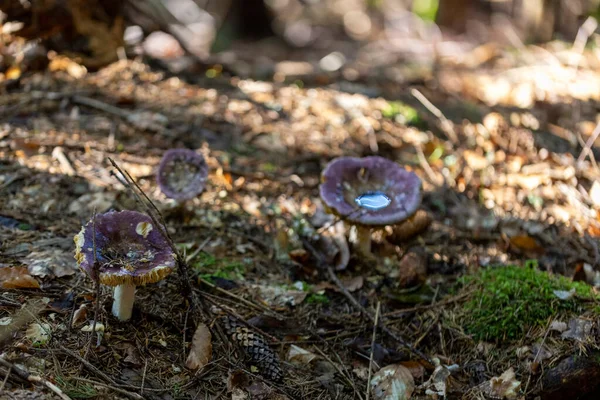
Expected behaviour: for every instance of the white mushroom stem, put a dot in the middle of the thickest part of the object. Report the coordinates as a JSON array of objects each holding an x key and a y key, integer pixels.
[
  {"x": 123, "y": 301},
  {"x": 363, "y": 239}
]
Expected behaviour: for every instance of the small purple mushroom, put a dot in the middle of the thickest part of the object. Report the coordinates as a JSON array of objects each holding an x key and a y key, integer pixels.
[
  {"x": 369, "y": 192},
  {"x": 182, "y": 174},
  {"x": 130, "y": 251}
]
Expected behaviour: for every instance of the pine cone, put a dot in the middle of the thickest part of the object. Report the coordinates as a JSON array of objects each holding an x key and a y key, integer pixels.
[{"x": 257, "y": 350}]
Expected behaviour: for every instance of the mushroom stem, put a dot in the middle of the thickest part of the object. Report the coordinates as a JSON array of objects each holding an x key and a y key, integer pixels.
[
  {"x": 123, "y": 301},
  {"x": 363, "y": 239}
]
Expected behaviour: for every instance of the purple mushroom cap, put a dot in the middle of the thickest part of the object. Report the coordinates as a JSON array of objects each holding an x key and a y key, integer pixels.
[
  {"x": 182, "y": 174},
  {"x": 129, "y": 249},
  {"x": 371, "y": 191}
]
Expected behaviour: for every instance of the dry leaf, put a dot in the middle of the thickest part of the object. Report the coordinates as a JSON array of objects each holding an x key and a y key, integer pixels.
[
  {"x": 201, "y": 350},
  {"x": 17, "y": 278},
  {"x": 51, "y": 262},
  {"x": 579, "y": 329},
  {"x": 39, "y": 334},
  {"x": 504, "y": 386},
  {"x": 300, "y": 356},
  {"x": 525, "y": 243},
  {"x": 353, "y": 284},
  {"x": 394, "y": 382},
  {"x": 79, "y": 315},
  {"x": 416, "y": 368}
]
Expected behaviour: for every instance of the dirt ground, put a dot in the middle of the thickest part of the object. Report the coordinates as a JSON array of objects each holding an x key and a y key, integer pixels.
[{"x": 496, "y": 137}]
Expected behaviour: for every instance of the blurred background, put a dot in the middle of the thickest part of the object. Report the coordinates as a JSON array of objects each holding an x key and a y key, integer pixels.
[{"x": 186, "y": 33}]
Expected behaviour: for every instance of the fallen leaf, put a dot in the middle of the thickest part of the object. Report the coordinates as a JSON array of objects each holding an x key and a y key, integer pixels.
[
  {"x": 416, "y": 369},
  {"x": 525, "y": 243},
  {"x": 50, "y": 262},
  {"x": 353, "y": 284},
  {"x": 276, "y": 296},
  {"x": 17, "y": 278},
  {"x": 558, "y": 326},
  {"x": 39, "y": 334},
  {"x": 239, "y": 394},
  {"x": 99, "y": 201},
  {"x": 564, "y": 294},
  {"x": 88, "y": 328},
  {"x": 298, "y": 355},
  {"x": 437, "y": 385},
  {"x": 579, "y": 329},
  {"x": 133, "y": 355},
  {"x": 394, "y": 382},
  {"x": 201, "y": 350},
  {"x": 79, "y": 315},
  {"x": 504, "y": 386}
]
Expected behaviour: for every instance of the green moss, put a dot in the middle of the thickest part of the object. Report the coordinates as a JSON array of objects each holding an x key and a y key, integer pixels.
[
  {"x": 316, "y": 298},
  {"x": 508, "y": 301},
  {"x": 402, "y": 113},
  {"x": 209, "y": 267}
]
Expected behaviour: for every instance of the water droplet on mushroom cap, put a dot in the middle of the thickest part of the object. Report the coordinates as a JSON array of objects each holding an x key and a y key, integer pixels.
[{"x": 373, "y": 201}]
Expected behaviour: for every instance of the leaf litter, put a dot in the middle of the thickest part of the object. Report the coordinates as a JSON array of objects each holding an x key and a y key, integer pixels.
[{"x": 513, "y": 191}]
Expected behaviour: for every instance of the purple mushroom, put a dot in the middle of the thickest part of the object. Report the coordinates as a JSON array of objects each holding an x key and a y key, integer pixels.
[
  {"x": 130, "y": 251},
  {"x": 369, "y": 192},
  {"x": 182, "y": 174}
]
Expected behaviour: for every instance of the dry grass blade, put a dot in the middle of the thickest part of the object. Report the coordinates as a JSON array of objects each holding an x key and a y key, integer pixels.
[{"x": 201, "y": 350}]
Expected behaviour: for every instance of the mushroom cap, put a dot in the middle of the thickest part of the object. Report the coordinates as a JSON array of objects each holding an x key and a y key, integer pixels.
[
  {"x": 344, "y": 179},
  {"x": 182, "y": 174},
  {"x": 129, "y": 249}
]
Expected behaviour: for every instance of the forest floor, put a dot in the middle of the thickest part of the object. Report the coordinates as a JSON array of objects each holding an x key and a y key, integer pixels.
[{"x": 495, "y": 136}]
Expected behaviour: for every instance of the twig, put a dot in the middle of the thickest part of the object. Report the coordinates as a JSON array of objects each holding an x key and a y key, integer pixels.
[
  {"x": 427, "y": 168},
  {"x": 445, "y": 123},
  {"x": 589, "y": 143},
  {"x": 236, "y": 297},
  {"x": 5, "y": 379},
  {"x": 113, "y": 388},
  {"x": 339, "y": 370},
  {"x": 358, "y": 306},
  {"x": 38, "y": 380},
  {"x": 429, "y": 306},
  {"x": 158, "y": 220},
  {"x": 88, "y": 365},
  {"x": 583, "y": 34},
  {"x": 537, "y": 355},
  {"x": 96, "y": 273},
  {"x": 372, "y": 348},
  {"x": 144, "y": 376},
  {"x": 99, "y": 105}
]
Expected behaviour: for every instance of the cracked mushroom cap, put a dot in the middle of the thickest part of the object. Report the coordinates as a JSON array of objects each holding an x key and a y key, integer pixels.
[
  {"x": 129, "y": 249},
  {"x": 182, "y": 174},
  {"x": 372, "y": 191}
]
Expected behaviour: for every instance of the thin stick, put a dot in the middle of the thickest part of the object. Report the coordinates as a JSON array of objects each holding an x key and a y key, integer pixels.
[
  {"x": 338, "y": 369},
  {"x": 334, "y": 278},
  {"x": 26, "y": 375},
  {"x": 5, "y": 379},
  {"x": 158, "y": 220},
  {"x": 589, "y": 143},
  {"x": 367, "y": 314},
  {"x": 446, "y": 124},
  {"x": 96, "y": 273},
  {"x": 113, "y": 388},
  {"x": 144, "y": 377},
  {"x": 373, "y": 348},
  {"x": 427, "y": 168}
]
